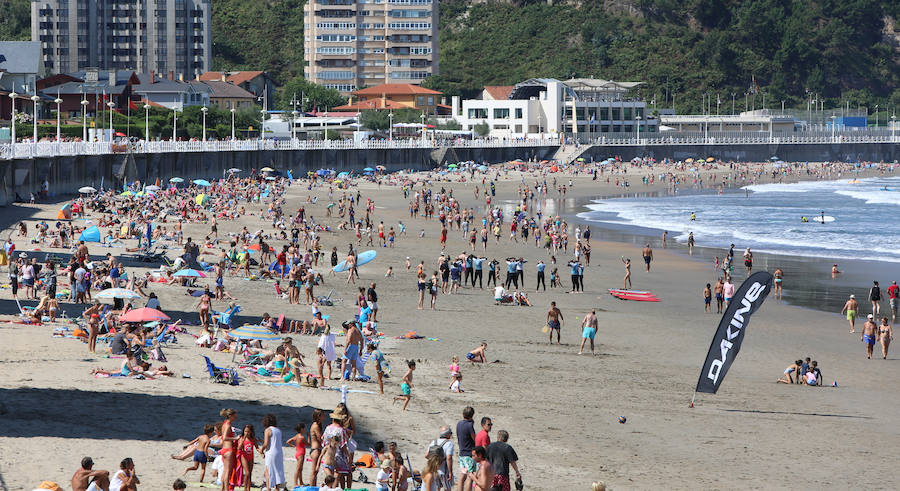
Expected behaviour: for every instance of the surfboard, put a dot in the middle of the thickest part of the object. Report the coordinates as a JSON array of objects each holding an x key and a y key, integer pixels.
[
  {"x": 828, "y": 219},
  {"x": 361, "y": 258},
  {"x": 637, "y": 295}
]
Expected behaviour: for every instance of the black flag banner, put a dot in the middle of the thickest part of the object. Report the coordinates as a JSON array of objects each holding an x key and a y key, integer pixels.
[{"x": 727, "y": 342}]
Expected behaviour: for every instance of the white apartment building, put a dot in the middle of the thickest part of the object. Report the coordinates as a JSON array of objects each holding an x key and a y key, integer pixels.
[
  {"x": 350, "y": 44},
  {"x": 549, "y": 107}
]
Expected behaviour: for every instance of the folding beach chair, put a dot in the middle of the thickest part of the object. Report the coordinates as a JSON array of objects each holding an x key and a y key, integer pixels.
[{"x": 221, "y": 375}]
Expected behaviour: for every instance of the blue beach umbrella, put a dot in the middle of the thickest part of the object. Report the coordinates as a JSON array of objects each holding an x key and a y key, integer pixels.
[
  {"x": 201, "y": 182},
  {"x": 261, "y": 333}
]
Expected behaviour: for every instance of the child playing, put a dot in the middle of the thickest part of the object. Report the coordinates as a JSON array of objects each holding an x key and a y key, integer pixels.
[
  {"x": 707, "y": 297},
  {"x": 383, "y": 479},
  {"x": 454, "y": 366},
  {"x": 320, "y": 362},
  {"x": 390, "y": 272},
  {"x": 380, "y": 365},
  {"x": 786, "y": 378},
  {"x": 201, "y": 453},
  {"x": 455, "y": 385},
  {"x": 300, "y": 441},
  {"x": 406, "y": 386},
  {"x": 243, "y": 471}
]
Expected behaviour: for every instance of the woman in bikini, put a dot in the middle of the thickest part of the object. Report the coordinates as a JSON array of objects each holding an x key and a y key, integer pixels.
[
  {"x": 228, "y": 447},
  {"x": 204, "y": 305},
  {"x": 315, "y": 443},
  {"x": 779, "y": 277},
  {"x": 886, "y": 335}
]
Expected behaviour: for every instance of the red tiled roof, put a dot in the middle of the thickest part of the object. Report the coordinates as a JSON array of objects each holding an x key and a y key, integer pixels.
[
  {"x": 396, "y": 89},
  {"x": 372, "y": 104},
  {"x": 499, "y": 92},
  {"x": 210, "y": 76},
  {"x": 241, "y": 77}
]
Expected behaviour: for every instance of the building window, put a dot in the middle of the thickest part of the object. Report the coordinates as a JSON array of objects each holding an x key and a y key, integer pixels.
[
  {"x": 410, "y": 26},
  {"x": 518, "y": 113},
  {"x": 477, "y": 113},
  {"x": 501, "y": 113}
]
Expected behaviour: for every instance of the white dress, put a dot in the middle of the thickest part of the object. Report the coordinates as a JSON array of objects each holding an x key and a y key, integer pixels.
[
  {"x": 326, "y": 342},
  {"x": 275, "y": 458}
]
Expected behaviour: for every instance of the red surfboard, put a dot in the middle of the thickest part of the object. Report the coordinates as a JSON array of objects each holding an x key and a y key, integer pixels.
[{"x": 637, "y": 295}]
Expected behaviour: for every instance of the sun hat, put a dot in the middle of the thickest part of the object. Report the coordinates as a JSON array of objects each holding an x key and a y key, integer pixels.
[
  {"x": 386, "y": 464},
  {"x": 870, "y": 316},
  {"x": 852, "y": 296},
  {"x": 339, "y": 414}
]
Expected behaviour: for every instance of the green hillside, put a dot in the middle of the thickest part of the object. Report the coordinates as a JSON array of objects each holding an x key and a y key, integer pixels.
[{"x": 840, "y": 49}]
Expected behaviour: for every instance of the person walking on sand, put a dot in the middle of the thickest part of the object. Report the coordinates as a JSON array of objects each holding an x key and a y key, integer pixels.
[
  {"x": 851, "y": 307},
  {"x": 707, "y": 298},
  {"x": 875, "y": 298},
  {"x": 893, "y": 293},
  {"x": 554, "y": 321},
  {"x": 589, "y": 330},
  {"x": 728, "y": 290},
  {"x": 406, "y": 385},
  {"x": 869, "y": 334},
  {"x": 647, "y": 252},
  {"x": 886, "y": 335},
  {"x": 779, "y": 278},
  {"x": 690, "y": 243},
  {"x": 626, "y": 281},
  {"x": 748, "y": 260}
]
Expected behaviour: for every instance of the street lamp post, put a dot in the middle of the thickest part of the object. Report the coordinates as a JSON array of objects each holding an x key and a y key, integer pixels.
[
  {"x": 876, "y": 116},
  {"x": 232, "y": 124},
  {"x": 391, "y": 126},
  {"x": 422, "y": 117},
  {"x": 58, "y": 101},
  {"x": 294, "y": 123},
  {"x": 204, "y": 110},
  {"x": 833, "y": 118},
  {"x": 12, "y": 125},
  {"x": 84, "y": 105},
  {"x": 638, "y": 129},
  {"x": 112, "y": 132},
  {"x": 893, "y": 126},
  {"x": 35, "y": 100},
  {"x": 262, "y": 122},
  {"x": 147, "y": 122},
  {"x": 174, "y": 122}
]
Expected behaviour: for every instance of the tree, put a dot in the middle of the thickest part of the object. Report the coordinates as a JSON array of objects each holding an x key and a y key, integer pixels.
[
  {"x": 311, "y": 96},
  {"x": 375, "y": 119},
  {"x": 482, "y": 129}
]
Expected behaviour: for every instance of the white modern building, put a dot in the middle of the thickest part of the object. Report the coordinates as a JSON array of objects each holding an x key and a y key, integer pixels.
[
  {"x": 760, "y": 120},
  {"x": 549, "y": 107}
]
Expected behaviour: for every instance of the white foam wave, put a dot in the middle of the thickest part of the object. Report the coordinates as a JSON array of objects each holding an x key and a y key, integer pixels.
[{"x": 878, "y": 197}]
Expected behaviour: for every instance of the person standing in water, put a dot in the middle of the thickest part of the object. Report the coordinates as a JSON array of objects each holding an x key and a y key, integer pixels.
[
  {"x": 690, "y": 243},
  {"x": 779, "y": 277}
]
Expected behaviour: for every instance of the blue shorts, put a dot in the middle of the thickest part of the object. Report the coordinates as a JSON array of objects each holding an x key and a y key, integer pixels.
[
  {"x": 352, "y": 353},
  {"x": 869, "y": 339},
  {"x": 589, "y": 333},
  {"x": 707, "y": 300},
  {"x": 220, "y": 281},
  {"x": 405, "y": 389},
  {"x": 200, "y": 457},
  {"x": 553, "y": 325}
]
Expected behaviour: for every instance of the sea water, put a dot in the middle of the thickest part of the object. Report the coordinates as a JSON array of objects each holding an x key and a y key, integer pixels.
[{"x": 768, "y": 218}]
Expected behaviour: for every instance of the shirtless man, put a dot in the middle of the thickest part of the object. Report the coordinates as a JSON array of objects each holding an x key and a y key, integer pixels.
[
  {"x": 647, "y": 252},
  {"x": 851, "y": 308},
  {"x": 352, "y": 349},
  {"x": 483, "y": 478},
  {"x": 86, "y": 479},
  {"x": 589, "y": 326},
  {"x": 317, "y": 325},
  {"x": 869, "y": 334},
  {"x": 719, "y": 290},
  {"x": 554, "y": 319},
  {"x": 477, "y": 355}
]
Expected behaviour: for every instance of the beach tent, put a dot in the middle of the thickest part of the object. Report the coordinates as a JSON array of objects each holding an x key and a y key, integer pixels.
[
  {"x": 91, "y": 234},
  {"x": 64, "y": 213}
]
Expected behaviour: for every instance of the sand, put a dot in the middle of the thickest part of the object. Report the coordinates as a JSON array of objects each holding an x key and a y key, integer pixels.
[{"x": 561, "y": 409}]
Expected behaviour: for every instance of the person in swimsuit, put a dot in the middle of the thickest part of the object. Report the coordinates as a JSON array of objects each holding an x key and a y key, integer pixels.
[
  {"x": 315, "y": 443},
  {"x": 626, "y": 282},
  {"x": 851, "y": 308},
  {"x": 869, "y": 334},
  {"x": 589, "y": 330},
  {"x": 647, "y": 252},
  {"x": 228, "y": 447},
  {"x": 690, "y": 243},
  {"x": 886, "y": 335},
  {"x": 720, "y": 296},
  {"x": 554, "y": 319},
  {"x": 875, "y": 298},
  {"x": 204, "y": 306},
  {"x": 779, "y": 277},
  {"x": 786, "y": 377},
  {"x": 477, "y": 355},
  {"x": 85, "y": 478},
  {"x": 200, "y": 455},
  {"x": 299, "y": 441}
]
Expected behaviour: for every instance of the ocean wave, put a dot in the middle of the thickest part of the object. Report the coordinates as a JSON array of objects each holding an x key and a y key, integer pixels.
[{"x": 877, "y": 197}]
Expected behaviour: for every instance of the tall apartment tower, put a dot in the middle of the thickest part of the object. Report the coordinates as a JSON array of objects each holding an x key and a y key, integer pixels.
[
  {"x": 351, "y": 44},
  {"x": 165, "y": 36}
]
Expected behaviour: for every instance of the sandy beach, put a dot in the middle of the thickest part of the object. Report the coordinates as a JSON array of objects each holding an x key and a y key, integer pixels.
[{"x": 560, "y": 409}]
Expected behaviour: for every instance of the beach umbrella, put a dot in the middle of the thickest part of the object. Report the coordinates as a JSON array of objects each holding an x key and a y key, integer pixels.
[
  {"x": 690, "y": 160},
  {"x": 127, "y": 193},
  {"x": 87, "y": 190},
  {"x": 321, "y": 172},
  {"x": 338, "y": 181},
  {"x": 119, "y": 133},
  {"x": 580, "y": 159},
  {"x": 270, "y": 178},
  {"x": 190, "y": 273},
  {"x": 91, "y": 234},
  {"x": 201, "y": 199},
  {"x": 710, "y": 159},
  {"x": 118, "y": 293},
  {"x": 345, "y": 173},
  {"x": 253, "y": 247},
  {"x": 267, "y": 169},
  {"x": 452, "y": 166},
  {"x": 143, "y": 314},
  {"x": 368, "y": 169},
  {"x": 151, "y": 188},
  {"x": 234, "y": 170},
  {"x": 201, "y": 182},
  {"x": 774, "y": 158},
  {"x": 176, "y": 180},
  {"x": 380, "y": 167},
  {"x": 261, "y": 333}
]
